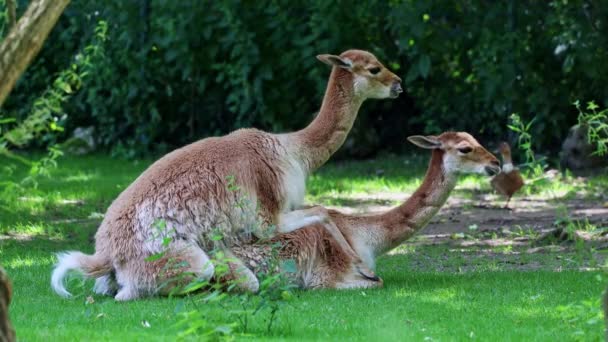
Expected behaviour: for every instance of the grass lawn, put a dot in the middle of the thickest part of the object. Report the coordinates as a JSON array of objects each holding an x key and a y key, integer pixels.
[{"x": 427, "y": 296}]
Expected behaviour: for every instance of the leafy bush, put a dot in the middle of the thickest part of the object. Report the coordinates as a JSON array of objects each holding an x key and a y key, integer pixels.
[
  {"x": 596, "y": 122},
  {"x": 41, "y": 122},
  {"x": 179, "y": 71}
]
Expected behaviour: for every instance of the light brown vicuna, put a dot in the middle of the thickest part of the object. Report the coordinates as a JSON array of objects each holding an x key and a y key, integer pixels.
[
  {"x": 321, "y": 263},
  {"x": 509, "y": 180},
  {"x": 240, "y": 184}
]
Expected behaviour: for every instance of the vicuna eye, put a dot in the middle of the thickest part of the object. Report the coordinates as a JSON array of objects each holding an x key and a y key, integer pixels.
[
  {"x": 374, "y": 70},
  {"x": 465, "y": 150}
]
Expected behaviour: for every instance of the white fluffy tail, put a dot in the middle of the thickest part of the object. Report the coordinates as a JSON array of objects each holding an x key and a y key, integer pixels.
[{"x": 89, "y": 265}]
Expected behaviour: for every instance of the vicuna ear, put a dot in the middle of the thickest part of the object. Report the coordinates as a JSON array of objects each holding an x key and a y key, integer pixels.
[
  {"x": 429, "y": 142},
  {"x": 334, "y": 60}
]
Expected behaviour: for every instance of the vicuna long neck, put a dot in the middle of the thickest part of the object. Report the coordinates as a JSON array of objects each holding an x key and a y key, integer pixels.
[
  {"x": 326, "y": 134},
  {"x": 413, "y": 215}
]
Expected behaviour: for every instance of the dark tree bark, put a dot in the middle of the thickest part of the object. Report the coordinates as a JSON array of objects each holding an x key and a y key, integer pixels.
[
  {"x": 25, "y": 39},
  {"x": 6, "y": 330}
]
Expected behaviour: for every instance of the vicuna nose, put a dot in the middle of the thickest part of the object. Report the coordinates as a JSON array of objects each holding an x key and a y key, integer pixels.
[
  {"x": 495, "y": 162},
  {"x": 396, "y": 87}
]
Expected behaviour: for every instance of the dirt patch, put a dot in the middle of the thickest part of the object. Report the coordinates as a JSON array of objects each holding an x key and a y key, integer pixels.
[
  {"x": 473, "y": 232},
  {"x": 486, "y": 212}
]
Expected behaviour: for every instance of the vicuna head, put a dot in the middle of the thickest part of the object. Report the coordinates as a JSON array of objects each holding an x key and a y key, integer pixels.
[
  {"x": 371, "y": 79},
  {"x": 461, "y": 153}
]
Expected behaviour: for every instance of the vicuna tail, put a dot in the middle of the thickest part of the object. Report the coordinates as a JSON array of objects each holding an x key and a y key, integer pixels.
[{"x": 92, "y": 266}]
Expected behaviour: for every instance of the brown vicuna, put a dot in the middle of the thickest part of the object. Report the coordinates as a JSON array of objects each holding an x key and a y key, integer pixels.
[
  {"x": 7, "y": 333},
  {"x": 239, "y": 185},
  {"x": 321, "y": 263},
  {"x": 509, "y": 180}
]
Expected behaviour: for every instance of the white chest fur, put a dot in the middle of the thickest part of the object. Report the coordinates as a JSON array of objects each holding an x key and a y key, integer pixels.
[
  {"x": 362, "y": 244},
  {"x": 294, "y": 183}
]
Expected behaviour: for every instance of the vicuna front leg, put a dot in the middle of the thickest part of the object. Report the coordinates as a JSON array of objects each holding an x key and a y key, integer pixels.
[{"x": 297, "y": 219}]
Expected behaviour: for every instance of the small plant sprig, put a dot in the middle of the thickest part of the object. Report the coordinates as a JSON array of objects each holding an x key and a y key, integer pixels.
[
  {"x": 596, "y": 122},
  {"x": 222, "y": 291},
  {"x": 535, "y": 167}
]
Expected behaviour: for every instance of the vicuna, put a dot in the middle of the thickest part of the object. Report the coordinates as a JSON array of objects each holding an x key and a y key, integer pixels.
[
  {"x": 240, "y": 184},
  {"x": 321, "y": 262}
]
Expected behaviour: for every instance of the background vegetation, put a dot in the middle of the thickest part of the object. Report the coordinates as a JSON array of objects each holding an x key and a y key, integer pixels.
[{"x": 176, "y": 71}]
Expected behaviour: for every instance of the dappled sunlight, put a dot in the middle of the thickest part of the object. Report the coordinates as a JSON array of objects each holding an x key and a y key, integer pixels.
[
  {"x": 81, "y": 177},
  {"x": 29, "y": 230},
  {"x": 434, "y": 295},
  {"x": 17, "y": 262},
  {"x": 50, "y": 231},
  {"x": 473, "y": 182},
  {"x": 361, "y": 187},
  {"x": 31, "y": 199}
]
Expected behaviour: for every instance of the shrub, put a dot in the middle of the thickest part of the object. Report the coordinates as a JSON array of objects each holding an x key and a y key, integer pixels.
[{"x": 179, "y": 71}]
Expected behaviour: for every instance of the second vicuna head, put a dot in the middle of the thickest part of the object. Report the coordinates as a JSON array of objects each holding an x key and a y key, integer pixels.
[
  {"x": 371, "y": 79},
  {"x": 461, "y": 153}
]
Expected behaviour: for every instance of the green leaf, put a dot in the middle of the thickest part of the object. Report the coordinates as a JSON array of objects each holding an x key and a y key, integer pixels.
[
  {"x": 592, "y": 106},
  {"x": 155, "y": 257},
  {"x": 66, "y": 87},
  {"x": 412, "y": 74},
  {"x": 424, "y": 65}
]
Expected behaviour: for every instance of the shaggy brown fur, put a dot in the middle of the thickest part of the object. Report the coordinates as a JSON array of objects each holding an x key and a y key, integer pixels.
[
  {"x": 239, "y": 184},
  {"x": 6, "y": 330},
  {"x": 321, "y": 263}
]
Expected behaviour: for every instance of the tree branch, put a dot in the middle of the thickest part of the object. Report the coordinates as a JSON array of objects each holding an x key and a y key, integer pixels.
[{"x": 25, "y": 40}]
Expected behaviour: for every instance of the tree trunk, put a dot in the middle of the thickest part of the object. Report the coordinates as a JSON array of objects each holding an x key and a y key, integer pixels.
[
  {"x": 6, "y": 331},
  {"x": 25, "y": 40}
]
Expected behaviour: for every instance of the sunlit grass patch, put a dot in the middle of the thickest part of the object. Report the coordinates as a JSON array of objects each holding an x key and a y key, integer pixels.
[
  {"x": 430, "y": 292},
  {"x": 28, "y": 229},
  {"x": 27, "y": 261}
]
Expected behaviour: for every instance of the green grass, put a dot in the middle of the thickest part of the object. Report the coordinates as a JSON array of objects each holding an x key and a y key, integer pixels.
[{"x": 415, "y": 304}]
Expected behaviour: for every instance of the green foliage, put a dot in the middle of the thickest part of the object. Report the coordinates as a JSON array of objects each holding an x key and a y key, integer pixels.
[
  {"x": 44, "y": 120},
  {"x": 177, "y": 71},
  {"x": 596, "y": 123},
  {"x": 240, "y": 306},
  {"x": 533, "y": 166},
  {"x": 3, "y": 18}
]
